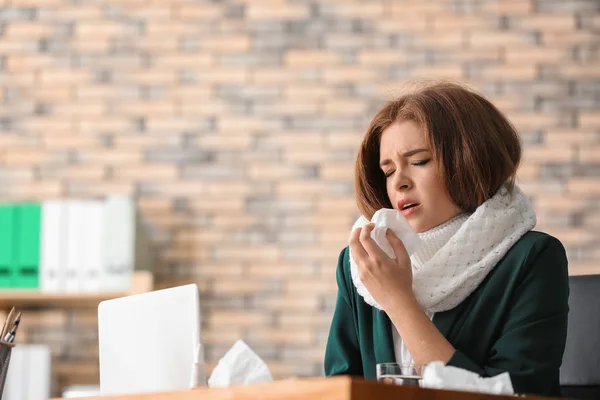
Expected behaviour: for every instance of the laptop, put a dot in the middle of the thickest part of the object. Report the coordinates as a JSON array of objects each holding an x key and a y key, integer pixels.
[{"x": 147, "y": 341}]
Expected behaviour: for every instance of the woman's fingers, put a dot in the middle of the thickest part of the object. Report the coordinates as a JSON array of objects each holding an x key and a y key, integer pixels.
[
  {"x": 375, "y": 252},
  {"x": 359, "y": 253},
  {"x": 396, "y": 244}
]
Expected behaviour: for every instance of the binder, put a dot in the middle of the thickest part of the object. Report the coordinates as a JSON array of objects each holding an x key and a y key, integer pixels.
[
  {"x": 7, "y": 244},
  {"x": 16, "y": 382},
  {"x": 75, "y": 245},
  {"x": 53, "y": 245},
  {"x": 92, "y": 263},
  {"x": 118, "y": 241},
  {"x": 26, "y": 267},
  {"x": 39, "y": 367},
  {"x": 28, "y": 376},
  {"x": 126, "y": 245}
]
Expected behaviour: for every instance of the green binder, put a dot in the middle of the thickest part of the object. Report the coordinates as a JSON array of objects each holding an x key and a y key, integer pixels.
[
  {"x": 7, "y": 244},
  {"x": 26, "y": 270}
]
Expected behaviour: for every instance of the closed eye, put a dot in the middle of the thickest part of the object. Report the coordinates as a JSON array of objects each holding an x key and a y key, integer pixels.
[
  {"x": 422, "y": 162},
  {"x": 416, "y": 163}
]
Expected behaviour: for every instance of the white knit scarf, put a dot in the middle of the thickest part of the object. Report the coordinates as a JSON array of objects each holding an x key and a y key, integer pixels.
[{"x": 456, "y": 256}]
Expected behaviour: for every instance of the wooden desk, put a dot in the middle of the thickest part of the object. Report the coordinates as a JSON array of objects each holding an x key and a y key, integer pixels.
[{"x": 337, "y": 388}]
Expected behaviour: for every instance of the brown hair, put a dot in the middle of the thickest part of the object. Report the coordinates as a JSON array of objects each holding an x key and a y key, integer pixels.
[{"x": 476, "y": 147}]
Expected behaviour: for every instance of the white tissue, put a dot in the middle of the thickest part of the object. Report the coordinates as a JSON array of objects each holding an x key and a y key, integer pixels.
[
  {"x": 240, "y": 365},
  {"x": 394, "y": 220},
  {"x": 436, "y": 375}
]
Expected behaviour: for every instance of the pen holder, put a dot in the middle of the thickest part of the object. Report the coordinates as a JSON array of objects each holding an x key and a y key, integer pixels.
[{"x": 5, "y": 350}]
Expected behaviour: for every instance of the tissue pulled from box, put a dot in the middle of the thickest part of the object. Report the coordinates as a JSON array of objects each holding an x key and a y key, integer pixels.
[
  {"x": 436, "y": 375},
  {"x": 240, "y": 365}
]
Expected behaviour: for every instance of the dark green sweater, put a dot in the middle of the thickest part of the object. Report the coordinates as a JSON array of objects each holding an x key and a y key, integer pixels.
[{"x": 515, "y": 321}]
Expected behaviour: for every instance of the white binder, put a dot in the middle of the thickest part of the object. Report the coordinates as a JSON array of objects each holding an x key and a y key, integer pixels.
[
  {"x": 119, "y": 220},
  {"x": 76, "y": 227},
  {"x": 38, "y": 368},
  {"x": 53, "y": 245},
  {"x": 92, "y": 263},
  {"x": 28, "y": 376},
  {"x": 15, "y": 387}
]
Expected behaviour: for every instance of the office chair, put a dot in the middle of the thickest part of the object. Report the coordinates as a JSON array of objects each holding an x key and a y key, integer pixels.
[{"x": 580, "y": 371}]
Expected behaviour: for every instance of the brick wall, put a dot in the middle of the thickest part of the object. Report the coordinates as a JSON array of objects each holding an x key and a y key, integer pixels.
[{"x": 235, "y": 124}]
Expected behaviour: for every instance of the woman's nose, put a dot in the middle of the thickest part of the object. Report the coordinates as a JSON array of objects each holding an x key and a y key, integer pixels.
[{"x": 402, "y": 182}]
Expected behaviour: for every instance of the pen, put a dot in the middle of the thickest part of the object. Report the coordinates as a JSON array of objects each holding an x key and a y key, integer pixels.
[
  {"x": 7, "y": 323},
  {"x": 10, "y": 337}
]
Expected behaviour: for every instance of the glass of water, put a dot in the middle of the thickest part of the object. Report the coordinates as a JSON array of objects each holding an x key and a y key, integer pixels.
[{"x": 400, "y": 374}]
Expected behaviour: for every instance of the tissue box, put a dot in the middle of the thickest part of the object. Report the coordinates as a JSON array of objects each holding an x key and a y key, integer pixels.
[{"x": 240, "y": 365}]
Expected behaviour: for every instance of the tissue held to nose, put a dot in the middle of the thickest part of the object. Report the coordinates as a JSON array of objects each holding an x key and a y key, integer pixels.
[{"x": 387, "y": 218}]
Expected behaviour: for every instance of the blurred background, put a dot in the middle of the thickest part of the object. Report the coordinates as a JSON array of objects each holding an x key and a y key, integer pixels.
[{"x": 233, "y": 126}]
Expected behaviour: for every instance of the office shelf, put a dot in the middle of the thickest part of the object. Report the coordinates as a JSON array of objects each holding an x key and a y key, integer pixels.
[{"x": 141, "y": 282}]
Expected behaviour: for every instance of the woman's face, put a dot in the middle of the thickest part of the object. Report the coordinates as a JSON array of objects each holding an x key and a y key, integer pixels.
[{"x": 414, "y": 184}]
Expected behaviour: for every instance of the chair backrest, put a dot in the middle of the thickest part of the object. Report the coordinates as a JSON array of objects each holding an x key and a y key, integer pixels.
[{"x": 581, "y": 361}]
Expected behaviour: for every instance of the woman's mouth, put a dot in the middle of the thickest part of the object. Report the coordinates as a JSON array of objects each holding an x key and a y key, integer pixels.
[{"x": 410, "y": 208}]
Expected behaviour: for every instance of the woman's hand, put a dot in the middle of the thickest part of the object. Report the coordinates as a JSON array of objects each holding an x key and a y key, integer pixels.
[{"x": 389, "y": 281}]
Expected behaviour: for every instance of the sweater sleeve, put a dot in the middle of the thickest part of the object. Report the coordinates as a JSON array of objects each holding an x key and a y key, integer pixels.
[
  {"x": 342, "y": 353},
  {"x": 531, "y": 344}
]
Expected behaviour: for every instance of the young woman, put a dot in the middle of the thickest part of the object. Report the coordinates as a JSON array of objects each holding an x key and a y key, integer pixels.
[{"x": 483, "y": 292}]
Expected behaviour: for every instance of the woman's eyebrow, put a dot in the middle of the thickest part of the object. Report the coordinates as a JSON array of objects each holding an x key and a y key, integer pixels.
[
  {"x": 405, "y": 155},
  {"x": 413, "y": 152}
]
